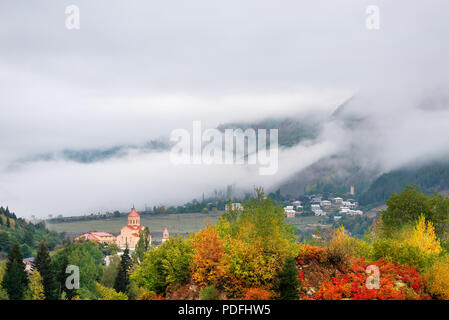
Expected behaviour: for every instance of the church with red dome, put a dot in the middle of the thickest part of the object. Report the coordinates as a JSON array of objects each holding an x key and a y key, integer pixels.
[{"x": 129, "y": 234}]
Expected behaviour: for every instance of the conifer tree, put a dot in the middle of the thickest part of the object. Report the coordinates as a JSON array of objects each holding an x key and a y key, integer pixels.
[
  {"x": 288, "y": 281},
  {"x": 15, "y": 280},
  {"x": 122, "y": 282},
  {"x": 43, "y": 265},
  {"x": 36, "y": 287}
]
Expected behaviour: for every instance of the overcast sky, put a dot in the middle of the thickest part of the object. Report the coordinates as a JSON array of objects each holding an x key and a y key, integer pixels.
[{"x": 136, "y": 70}]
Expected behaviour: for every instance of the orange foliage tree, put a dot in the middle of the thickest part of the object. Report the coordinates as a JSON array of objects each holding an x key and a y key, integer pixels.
[
  {"x": 207, "y": 257},
  {"x": 257, "y": 294}
]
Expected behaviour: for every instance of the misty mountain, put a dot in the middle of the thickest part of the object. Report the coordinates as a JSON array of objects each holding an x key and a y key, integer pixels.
[
  {"x": 429, "y": 178},
  {"x": 99, "y": 154},
  {"x": 333, "y": 174},
  {"x": 291, "y": 131}
]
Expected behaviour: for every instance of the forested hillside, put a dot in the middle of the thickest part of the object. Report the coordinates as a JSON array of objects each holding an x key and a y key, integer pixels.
[
  {"x": 430, "y": 178},
  {"x": 28, "y": 235}
]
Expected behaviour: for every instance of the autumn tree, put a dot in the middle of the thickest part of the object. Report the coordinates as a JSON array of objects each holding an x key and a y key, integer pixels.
[
  {"x": 36, "y": 287},
  {"x": 207, "y": 257},
  {"x": 255, "y": 243},
  {"x": 106, "y": 293},
  {"x": 423, "y": 236}
]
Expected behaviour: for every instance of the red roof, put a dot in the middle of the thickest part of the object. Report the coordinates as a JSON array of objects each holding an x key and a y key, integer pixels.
[
  {"x": 102, "y": 234},
  {"x": 133, "y": 227},
  {"x": 133, "y": 213}
]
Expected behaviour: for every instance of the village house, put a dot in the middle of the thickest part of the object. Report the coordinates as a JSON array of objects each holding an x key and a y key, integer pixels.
[
  {"x": 234, "y": 206},
  {"x": 337, "y": 201},
  {"x": 325, "y": 204},
  {"x": 290, "y": 212},
  {"x": 29, "y": 264}
]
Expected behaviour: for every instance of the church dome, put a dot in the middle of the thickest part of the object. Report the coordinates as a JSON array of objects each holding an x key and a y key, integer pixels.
[{"x": 133, "y": 213}]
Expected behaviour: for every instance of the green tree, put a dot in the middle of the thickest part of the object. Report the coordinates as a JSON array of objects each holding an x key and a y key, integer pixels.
[
  {"x": 288, "y": 282},
  {"x": 88, "y": 257},
  {"x": 59, "y": 265},
  {"x": 44, "y": 266},
  {"x": 15, "y": 280},
  {"x": 122, "y": 281},
  {"x": 165, "y": 268},
  {"x": 110, "y": 272},
  {"x": 406, "y": 208},
  {"x": 142, "y": 245}
]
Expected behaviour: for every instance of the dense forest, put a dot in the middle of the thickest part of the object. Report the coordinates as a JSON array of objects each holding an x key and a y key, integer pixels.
[
  {"x": 430, "y": 178},
  {"x": 26, "y": 234}
]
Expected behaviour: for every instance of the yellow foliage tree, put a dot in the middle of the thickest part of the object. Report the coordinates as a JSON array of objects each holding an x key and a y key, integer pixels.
[
  {"x": 437, "y": 279},
  {"x": 36, "y": 287},
  {"x": 109, "y": 293},
  {"x": 423, "y": 236}
]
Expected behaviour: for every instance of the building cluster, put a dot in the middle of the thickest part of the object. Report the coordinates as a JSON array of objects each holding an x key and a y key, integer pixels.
[
  {"x": 337, "y": 205},
  {"x": 323, "y": 207},
  {"x": 295, "y": 208},
  {"x": 128, "y": 237}
]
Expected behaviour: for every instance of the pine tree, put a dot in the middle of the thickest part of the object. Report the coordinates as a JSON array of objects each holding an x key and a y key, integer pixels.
[
  {"x": 121, "y": 283},
  {"x": 288, "y": 281},
  {"x": 43, "y": 265},
  {"x": 36, "y": 287},
  {"x": 8, "y": 224},
  {"x": 15, "y": 280}
]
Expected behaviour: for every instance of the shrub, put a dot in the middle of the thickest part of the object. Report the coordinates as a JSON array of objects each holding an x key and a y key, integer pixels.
[
  {"x": 396, "y": 283},
  {"x": 257, "y": 294},
  {"x": 403, "y": 253},
  {"x": 149, "y": 295},
  {"x": 109, "y": 293},
  {"x": 209, "y": 293},
  {"x": 437, "y": 279}
]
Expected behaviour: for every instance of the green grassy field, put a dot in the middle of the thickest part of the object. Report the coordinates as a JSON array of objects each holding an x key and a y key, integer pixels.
[
  {"x": 176, "y": 223},
  {"x": 304, "y": 223}
]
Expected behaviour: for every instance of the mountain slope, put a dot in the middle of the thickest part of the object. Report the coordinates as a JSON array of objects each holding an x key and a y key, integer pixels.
[{"x": 429, "y": 178}]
